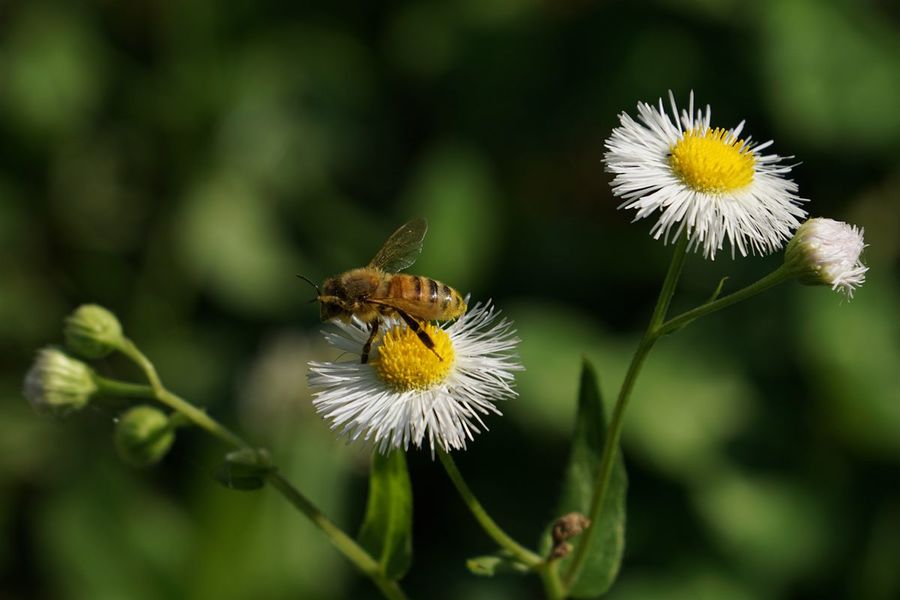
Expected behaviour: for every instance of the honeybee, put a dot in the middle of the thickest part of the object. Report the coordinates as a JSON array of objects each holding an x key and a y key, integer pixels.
[{"x": 379, "y": 290}]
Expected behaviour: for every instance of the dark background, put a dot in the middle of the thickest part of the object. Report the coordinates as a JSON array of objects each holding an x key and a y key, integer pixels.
[{"x": 179, "y": 162}]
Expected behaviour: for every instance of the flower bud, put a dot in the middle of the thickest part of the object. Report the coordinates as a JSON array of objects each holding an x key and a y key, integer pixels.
[
  {"x": 143, "y": 435},
  {"x": 57, "y": 384},
  {"x": 92, "y": 331},
  {"x": 827, "y": 252}
]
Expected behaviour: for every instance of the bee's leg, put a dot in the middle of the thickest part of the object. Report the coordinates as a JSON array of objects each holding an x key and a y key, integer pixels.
[
  {"x": 417, "y": 328},
  {"x": 364, "y": 358}
]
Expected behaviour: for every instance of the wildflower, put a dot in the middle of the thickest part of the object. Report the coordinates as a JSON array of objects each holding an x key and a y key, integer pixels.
[
  {"x": 407, "y": 393},
  {"x": 827, "y": 252},
  {"x": 57, "y": 384},
  {"x": 708, "y": 183}
]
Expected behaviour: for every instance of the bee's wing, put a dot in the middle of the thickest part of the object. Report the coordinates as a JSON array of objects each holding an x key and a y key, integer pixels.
[{"x": 403, "y": 247}]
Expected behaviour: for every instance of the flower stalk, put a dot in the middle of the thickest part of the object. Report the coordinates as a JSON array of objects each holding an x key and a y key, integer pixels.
[
  {"x": 779, "y": 275},
  {"x": 547, "y": 570},
  {"x": 614, "y": 430},
  {"x": 344, "y": 543},
  {"x": 657, "y": 328},
  {"x": 522, "y": 554}
]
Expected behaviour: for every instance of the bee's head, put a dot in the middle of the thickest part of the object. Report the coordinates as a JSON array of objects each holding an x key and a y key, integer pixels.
[
  {"x": 330, "y": 310},
  {"x": 330, "y": 305}
]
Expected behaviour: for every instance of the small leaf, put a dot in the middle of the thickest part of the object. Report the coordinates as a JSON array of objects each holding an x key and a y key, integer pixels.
[
  {"x": 718, "y": 289},
  {"x": 386, "y": 532},
  {"x": 245, "y": 469},
  {"x": 493, "y": 564},
  {"x": 607, "y": 535}
]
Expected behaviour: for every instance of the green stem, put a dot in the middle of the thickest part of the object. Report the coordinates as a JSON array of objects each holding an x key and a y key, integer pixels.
[
  {"x": 490, "y": 527},
  {"x": 353, "y": 551},
  {"x": 657, "y": 328},
  {"x": 547, "y": 570},
  {"x": 114, "y": 387},
  {"x": 614, "y": 430},
  {"x": 777, "y": 276},
  {"x": 669, "y": 284},
  {"x": 129, "y": 349},
  {"x": 345, "y": 544},
  {"x": 196, "y": 415},
  {"x": 553, "y": 585}
]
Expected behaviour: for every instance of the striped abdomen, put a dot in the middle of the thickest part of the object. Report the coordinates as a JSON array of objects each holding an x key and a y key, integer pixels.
[{"x": 423, "y": 297}]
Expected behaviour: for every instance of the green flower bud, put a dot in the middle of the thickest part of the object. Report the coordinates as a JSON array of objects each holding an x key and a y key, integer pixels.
[
  {"x": 92, "y": 331},
  {"x": 57, "y": 384},
  {"x": 827, "y": 252},
  {"x": 143, "y": 435}
]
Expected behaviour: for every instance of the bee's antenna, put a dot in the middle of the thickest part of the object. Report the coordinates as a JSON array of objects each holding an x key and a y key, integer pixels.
[{"x": 318, "y": 293}]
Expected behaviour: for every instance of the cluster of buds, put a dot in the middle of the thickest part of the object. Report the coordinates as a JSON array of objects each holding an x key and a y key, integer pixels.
[{"x": 60, "y": 383}]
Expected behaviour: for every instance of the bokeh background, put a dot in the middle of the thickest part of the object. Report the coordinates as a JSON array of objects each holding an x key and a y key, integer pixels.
[{"x": 179, "y": 162}]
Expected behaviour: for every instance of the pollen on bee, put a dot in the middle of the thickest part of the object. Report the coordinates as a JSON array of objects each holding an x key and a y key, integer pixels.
[{"x": 405, "y": 363}]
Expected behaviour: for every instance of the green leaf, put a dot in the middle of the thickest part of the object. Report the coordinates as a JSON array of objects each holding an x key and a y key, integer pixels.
[
  {"x": 386, "y": 532},
  {"x": 245, "y": 469},
  {"x": 718, "y": 290},
  {"x": 607, "y": 535},
  {"x": 493, "y": 564}
]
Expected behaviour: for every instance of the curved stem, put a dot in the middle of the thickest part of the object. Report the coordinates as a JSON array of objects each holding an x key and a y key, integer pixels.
[
  {"x": 129, "y": 349},
  {"x": 348, "y": 547},
  {"x": 490, "y": 527},
  {"x": 553, "y": 585},
  {"x": 777, "y": 276},
  {"x": 614, "y": 430},
  {"x": 196, "y": 415},
  {"x": 344, "y": 543}
]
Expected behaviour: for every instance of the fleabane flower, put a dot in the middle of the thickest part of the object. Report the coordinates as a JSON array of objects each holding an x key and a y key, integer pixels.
[
  {"x": 706, "y": 182},
  {"x": 828, "y": 252},
  {"x": 409, "y": 394}
]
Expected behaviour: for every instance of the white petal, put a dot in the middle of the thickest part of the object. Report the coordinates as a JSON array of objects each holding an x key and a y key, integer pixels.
[{"x": 756, "y": 219}]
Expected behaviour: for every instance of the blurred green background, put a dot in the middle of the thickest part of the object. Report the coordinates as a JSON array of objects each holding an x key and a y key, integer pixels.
[{"x": 179, "y": 162}]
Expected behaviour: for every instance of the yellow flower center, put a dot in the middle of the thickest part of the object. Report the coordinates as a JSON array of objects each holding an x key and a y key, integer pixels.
[
  {"x": 405, "y": 363},
  {"x": 711, "y": 161}
]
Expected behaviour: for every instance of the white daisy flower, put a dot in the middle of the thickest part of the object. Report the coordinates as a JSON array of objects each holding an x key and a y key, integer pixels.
[
  {"x": 827, "y": 252},
  {"x": 709, "y": 181},
  {"x": 407, "y": 393}
]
